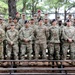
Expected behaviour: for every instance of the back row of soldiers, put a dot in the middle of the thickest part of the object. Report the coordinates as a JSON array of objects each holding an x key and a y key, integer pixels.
[{"x": 37, "y": 34}]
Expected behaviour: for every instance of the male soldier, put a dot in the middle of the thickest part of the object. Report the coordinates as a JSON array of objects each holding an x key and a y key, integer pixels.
[
  {"x": 54, "y": 40},
  {"x": 9, "y": 22},
  {"x": 68, "y": 40},
  {"x": 17, "y": 25},
  {"x": 12, "y": 42},
  {"x": 41, "y": 35},
  {"x": 33, "y": 26},
  {"x": 70, "y": 17},
  {"x": 74, "y": 22},
  {"x": 26, "y": 36},
  {"x": 17, "y": 16},
  {"x": 2, "y": 37},
  {"x": 2, "y": 24},
  {"x": 46, "y": 22},
  {"x": 39, "y": 15},
  {"x": 22, "y": 20},
  {"x": 35, "y": 19}
]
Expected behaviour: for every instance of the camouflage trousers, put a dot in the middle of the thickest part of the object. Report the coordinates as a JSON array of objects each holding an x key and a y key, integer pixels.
[
  {"x": 54, "y": 48},
  {"x": 26, "y": 47},
  {"x": 9, "y": 51},
  {"x": 71, "y": 47},
  {"x": 42, "y": 47},
  {"x": 1, "y": 52}
]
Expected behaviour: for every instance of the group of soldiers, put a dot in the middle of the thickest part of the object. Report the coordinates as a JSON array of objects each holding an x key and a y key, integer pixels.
[{"x": 36, "y": 36}]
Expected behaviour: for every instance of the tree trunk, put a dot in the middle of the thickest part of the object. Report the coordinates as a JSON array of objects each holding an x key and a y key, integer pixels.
[
  {"x": 65, "y": 15},
  {"x": 24, "y": 6},
  {"x": 33, "y": 7},
  {"x": 56, "y": 13},
  {"x": 12, "y": 8}
]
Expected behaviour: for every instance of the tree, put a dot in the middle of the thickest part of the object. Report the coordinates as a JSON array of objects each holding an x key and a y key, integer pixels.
[{"x": 12, "y": 8}]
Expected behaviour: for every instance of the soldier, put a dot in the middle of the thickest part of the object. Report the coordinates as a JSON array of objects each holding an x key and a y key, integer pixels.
[
  {"x": 2, "y": 24},
  {"x": 68, "y": 40},
  {"x": 54, "y": 40},
  {"x": 26, "y": 36},
  {"x": 12, "y": 42},
  {"x": 74, "y": 22},
  {"x": 70, "y": 17},
  {"x": 2, "y": 37},
  {"x": 35, "y": 19},
  {"x": 33, "y": 26},
  {"x": 17, "y": 16},
  {"x": 46, "y": 22},
  {"x": 41, "y": 34},
  {"x": 9, "y": 22},
  {"x": 39, "y": 15},
  {"x": 17, "y": 25},
  {"x": 22, "y": 20}
]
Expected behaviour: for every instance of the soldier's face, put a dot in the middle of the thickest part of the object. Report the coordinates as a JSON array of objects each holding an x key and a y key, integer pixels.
[
  {"x": 46, "y": 21},
  {"x": 23, "y": 16},
  {"x": 15, "y": 20},
  {"x": 32, "y": 21},
  {"x": 40, "y": 22},
  {"x": 54, "y": 23},
  {"x": 68, "y": 23},
  {"x": 12, "y": 27},
  {"x": 27, "y": 25},
  {"x": 10, "y": 20}
]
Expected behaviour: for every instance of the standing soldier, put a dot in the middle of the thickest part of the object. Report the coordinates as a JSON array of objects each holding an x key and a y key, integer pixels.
[
  {"x": 46, "y": 22},
  {"x": 2, "y": 24},
  {"x": 2, "y": 37},
  {"x": 41, "y": 35},
  {"x": 54, "y": 40},
  {"x": 9, "y": 22},
  {"x": 26, "y": 36},
  {"x": 33, "y": 26},
  {"x": 12, "y": 42},
  {"x": 74, "y": 22},
  {"x": 68, "y": 40},
  {"x": 17, "y": 25},
  {"x": 35, "y": 19},
  {"x": 22, "y": 20}
]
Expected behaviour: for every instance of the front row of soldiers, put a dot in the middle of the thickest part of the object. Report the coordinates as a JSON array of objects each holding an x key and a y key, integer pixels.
[{"x": 40, "y": 38}]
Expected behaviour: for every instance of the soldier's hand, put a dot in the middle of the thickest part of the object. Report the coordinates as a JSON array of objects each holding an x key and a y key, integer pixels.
[
  {"x": 70, "y": 40},
  {"x": 12, "y": 43},
  {"x": 26, "y": 40}
]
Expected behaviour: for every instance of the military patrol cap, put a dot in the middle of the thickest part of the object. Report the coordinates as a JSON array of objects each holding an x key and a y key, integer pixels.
[
  {"x": 14, "y": 18},
  {"x": 12, "y": 24},
  {"x": 35, "y": 14},
  {"x": 70, "y": 14},
  {"x": 46, "y": 18},
  {"x": 9, "y": 17},
  {"x": 32, "y": 18},
  {"x": 23, "y": 13},
  {"x": 58, "y": 16},
  {"x": 26, "y": 21},
  {"x": 46, "y": 13},
  {"x": 53, "y": 20}
]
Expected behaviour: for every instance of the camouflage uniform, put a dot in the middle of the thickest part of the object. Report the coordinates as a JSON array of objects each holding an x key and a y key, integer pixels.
[
  {"x": 41, "y": 34},
  {"x": 26, "y": 33},
  {"x": 2, "y": 37},
  {"x": 68, "y": 33},
  {"x": 54, "y": 41},
  {"x": 17, "y": 26},
  {"x": 22, "y": 20},
  {"x": 12, "y": 37}
]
